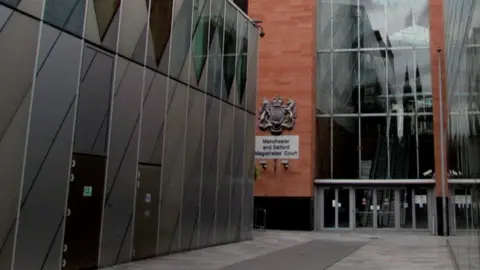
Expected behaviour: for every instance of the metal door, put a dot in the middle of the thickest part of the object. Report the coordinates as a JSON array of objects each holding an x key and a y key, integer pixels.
[
  {"x": 84, "y": 212},
  {"x": 146, "y": 212}
]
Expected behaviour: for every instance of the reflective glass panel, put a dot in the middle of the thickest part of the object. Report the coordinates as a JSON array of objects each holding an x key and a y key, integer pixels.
[{"x": 345, "y": 147}]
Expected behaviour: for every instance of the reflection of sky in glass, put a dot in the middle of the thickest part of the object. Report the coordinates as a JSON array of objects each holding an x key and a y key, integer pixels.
[
  {"x": 395, "y": 19},
  {"x": 415, "y": 35}
]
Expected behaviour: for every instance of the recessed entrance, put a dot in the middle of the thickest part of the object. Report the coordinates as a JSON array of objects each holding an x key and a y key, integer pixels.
[
  {"x": 84, "y": 212},
  {"x": 337, "y": 208},
  {"x": 146, "y": 212},
  {"x": 373, "y": 207}
]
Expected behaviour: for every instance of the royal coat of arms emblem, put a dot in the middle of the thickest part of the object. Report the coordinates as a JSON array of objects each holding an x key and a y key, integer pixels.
[{"x": 277, "y": 115}]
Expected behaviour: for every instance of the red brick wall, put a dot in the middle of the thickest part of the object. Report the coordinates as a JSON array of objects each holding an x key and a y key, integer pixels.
[
  {"x": 437, "y": 40},
  {"x": 286, "y": 68}
]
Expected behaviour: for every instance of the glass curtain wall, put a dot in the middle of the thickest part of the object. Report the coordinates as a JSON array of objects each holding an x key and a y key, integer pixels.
[
  {"x": 126, "y": 126},
  {"x": 374, "y": 101},
  {"x": 462, "y": 29}
]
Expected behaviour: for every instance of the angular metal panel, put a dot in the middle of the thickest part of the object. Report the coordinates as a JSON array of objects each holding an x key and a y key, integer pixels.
[
  {"x": 14, "y": 115},
  {"x": 172, "y": 175},
  {"x": 153, "y": 119},
  {"x": 252, "y": 69},
  {"x": 122, "y": 166},
  {"x": 249, "y": 171},
  {"x": 224, "y": 174},
  {"x": 48, "y": 155},
  {"x": 237, "y": 184},
  {"x": 209, "y": 177},
  {"x": 94, "y": 105},
  {"x": 193, "y": 173}
]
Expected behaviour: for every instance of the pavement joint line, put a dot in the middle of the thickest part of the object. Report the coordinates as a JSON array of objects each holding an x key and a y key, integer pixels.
[{"x": 452, "y": 256}]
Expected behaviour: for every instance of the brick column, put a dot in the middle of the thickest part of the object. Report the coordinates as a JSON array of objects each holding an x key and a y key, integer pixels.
[{"x": 437, "y": 41}]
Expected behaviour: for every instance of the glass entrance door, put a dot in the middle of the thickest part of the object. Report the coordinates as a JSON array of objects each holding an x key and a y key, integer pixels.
[
  {"x": 406, "y": 213},
  {"x": 376, "y": 208},
  {"x": 336, "y": 207},
  {"x": 392, "y": 208},
  {"x": 329, "y": 205},
  {"x": 462, "y": 199},
  {"x": 386, "y": 208},
  {"x": 365, "y": 207},
  {"x": 421, "y": 208}
]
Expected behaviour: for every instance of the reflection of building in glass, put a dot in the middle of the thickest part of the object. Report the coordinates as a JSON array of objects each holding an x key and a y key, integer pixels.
[
  {"x": 380, "y": 110},
  {"x": 126, "y": 129}
]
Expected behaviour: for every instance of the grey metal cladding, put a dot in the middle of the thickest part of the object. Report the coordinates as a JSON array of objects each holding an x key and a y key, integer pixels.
[
  {"x": 110, "y": 39},
  {"x": 153, "y": 118},
  {"x": 209, "y": 184},
  {"x": 252, "y": 66},
  {"x": 4, "y": 15},
  {"x": 18, "y": 74},
  {"x": 48, "y": 156},
  {"x": 139, "y": 51},
  {"x": 192, "y": 170},
  {"x": 101, "y": 103},
  {"x": 14, "y": 115},
  {"x": 171, "y": 186},
  {"x": 237, "y": 194},
  {"x": 224, "y": 174},
  {"x": 94, "y": 105},
  {"x": 34, "y": 8},
  {"x": 249, "y": 167},
  {"x": 122, "y": 165}
]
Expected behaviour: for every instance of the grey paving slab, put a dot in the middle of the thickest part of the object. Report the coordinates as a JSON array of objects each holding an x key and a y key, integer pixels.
[
  {"x": 466, "y": 250},
  {"x": 397, "y": 252},
  {"x": 310, "y": 250},
  {"x": 314, "y": 255}
]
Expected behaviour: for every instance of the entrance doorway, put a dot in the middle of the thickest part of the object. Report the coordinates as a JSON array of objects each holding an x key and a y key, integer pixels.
[
  {"x": 464, "y": 212},
  {"x": 336, "y": 203},
  {"x": 84, "y": 212},
  {"x": 374, "y": 208},
  {"x": 146, "y": 212}
]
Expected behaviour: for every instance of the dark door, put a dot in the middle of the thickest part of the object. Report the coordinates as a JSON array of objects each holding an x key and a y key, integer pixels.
[
  {"x": 84, "y": 212},
  {"x": 146, "y": 212}
]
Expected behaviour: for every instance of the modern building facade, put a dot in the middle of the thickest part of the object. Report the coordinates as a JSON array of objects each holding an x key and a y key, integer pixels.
[
  {"x": 127, "y": 129},
  {"x": 386, "y": 94}
]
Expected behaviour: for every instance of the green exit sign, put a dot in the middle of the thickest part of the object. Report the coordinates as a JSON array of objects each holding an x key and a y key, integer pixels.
[{"x": 87, "y": 191}]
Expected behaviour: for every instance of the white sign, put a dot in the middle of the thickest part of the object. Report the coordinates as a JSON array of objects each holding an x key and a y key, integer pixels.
[
  {"x": 276, "y": 147},
  {"x": 463, "y": 199},
  {"x": 420, "y": 199}
]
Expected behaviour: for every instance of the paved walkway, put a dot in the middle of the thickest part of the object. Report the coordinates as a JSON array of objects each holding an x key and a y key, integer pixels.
[
  {"x": 310, "y": 250},
  {"x": 465, "y": 247}
]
